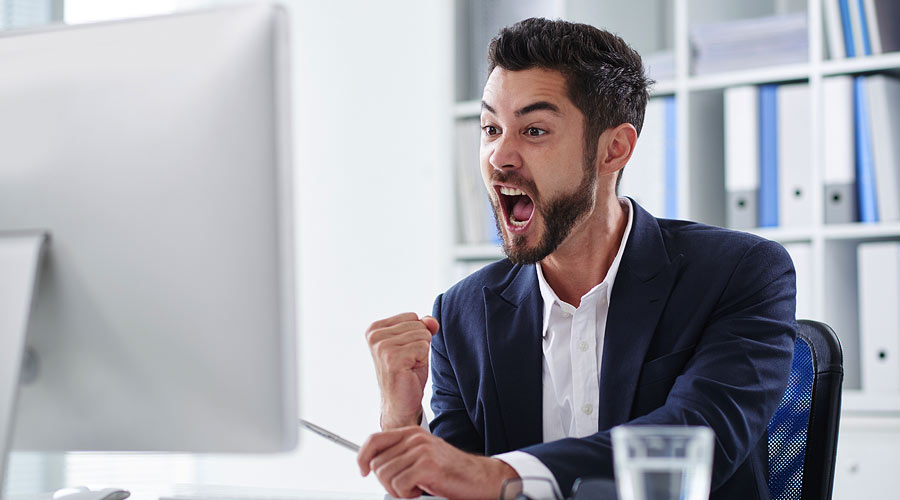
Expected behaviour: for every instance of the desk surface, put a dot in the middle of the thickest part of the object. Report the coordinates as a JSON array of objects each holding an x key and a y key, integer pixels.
[{"x": 207, "y": 492}]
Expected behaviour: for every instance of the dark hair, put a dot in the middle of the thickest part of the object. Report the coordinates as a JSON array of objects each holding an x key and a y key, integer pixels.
[{"x": 604, "y": 76}]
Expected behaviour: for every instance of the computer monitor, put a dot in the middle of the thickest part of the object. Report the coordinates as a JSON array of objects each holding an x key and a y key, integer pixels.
[{"x": 154, "y": 154}]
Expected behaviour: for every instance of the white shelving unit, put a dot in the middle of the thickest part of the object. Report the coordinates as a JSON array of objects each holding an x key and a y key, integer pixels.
[{"x": 701, "y": 189}]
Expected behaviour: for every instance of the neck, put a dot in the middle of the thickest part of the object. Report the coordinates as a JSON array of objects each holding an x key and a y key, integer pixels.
[{"x": 583, "y": 259}]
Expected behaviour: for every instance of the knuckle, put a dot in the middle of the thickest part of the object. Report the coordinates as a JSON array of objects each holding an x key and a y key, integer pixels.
[
  {"x": 378, "y": 351},
  {"x": 419, "y": 439},
  {"x": 391, "y": 357}
]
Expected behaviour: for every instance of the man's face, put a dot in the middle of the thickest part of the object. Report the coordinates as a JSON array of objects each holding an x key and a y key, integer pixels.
[{"x": 540, "y": 183}]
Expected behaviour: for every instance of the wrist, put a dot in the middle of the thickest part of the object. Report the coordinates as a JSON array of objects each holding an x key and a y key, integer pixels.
[
  {"x": 391, "y": 420},
  {"x": 500, "y": 472}
]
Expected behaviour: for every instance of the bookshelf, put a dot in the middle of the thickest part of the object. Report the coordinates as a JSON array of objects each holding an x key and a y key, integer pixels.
[{"x": 665, "y": 25}]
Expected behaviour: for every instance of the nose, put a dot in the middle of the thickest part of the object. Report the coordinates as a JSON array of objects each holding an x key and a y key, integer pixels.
[{"x": 504, "y": 153}]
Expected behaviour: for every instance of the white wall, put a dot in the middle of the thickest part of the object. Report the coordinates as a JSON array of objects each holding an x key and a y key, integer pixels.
[{"x": 372, "y": 116}]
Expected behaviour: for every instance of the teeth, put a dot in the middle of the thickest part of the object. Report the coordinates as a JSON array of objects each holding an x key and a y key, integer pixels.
[
  {"x": 511, "y": 191},
  {"x": 516, "y": 222}
]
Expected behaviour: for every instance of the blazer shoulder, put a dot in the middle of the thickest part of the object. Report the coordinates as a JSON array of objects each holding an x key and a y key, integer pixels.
[{"x": 700, "y": 241}]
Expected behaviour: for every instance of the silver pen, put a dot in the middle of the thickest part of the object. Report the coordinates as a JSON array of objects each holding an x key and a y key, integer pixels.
[{"x": 350, "y": 445}]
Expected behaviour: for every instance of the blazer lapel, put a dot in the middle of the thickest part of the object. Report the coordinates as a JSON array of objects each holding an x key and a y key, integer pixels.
[
  {"x": 514, "y": 324},
  {"x": 642, "y": 286}
]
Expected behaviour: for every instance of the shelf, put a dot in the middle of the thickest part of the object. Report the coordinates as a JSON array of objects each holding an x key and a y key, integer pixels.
[
  {"x": 861, "y": 230},
  {"x": 858, "y": 402},
  {"x": 784, "y": 234},
  {"x": 756, "y": 76},
  {"x": 861, "y": 64},
  {"x": 477, "y": 252}
]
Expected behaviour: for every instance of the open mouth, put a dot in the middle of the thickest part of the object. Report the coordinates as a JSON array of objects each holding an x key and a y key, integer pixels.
[{"x": 518, "y": 208}]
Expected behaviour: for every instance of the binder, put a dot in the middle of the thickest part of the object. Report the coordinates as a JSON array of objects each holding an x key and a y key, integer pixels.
[
  {"x": 884, "y": 120},
  {"x": 795, "y": 201},
  {"x": 864, "y": 28},
  {"x": 856, "y": 27},
  {"x": 833, "y": 29},
  {"x": 644, "y": 176},
  {"x": 768, "y": 156},
  {"x": 847, "y": 25},
  {"x": 671, "y": 145},
  {"x": 839, "y": 144},
  {"x": 879, "y": 315},
  {"x": 742, "y": 156},
  {"x": 801, "y": 254},
  {"x": 865, "y": 170}
]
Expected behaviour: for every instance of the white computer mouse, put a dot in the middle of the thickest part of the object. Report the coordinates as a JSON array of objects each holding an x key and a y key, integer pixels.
[{"x": 82, "y": 493}]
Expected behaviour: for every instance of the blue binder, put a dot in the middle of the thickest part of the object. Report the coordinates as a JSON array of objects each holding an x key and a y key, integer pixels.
[
  {"x": 848, "y": 29},
  {"x": 865, "y": 165},
  {"x": 768, "y": 156},
  {"x": 671, "y": 193}
]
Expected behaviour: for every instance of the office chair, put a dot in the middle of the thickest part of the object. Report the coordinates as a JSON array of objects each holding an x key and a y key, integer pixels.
[{"x": 803, "y": 432}]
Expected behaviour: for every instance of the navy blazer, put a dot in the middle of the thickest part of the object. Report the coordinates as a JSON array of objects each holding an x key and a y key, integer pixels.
[{"x": 700, "y": 331}]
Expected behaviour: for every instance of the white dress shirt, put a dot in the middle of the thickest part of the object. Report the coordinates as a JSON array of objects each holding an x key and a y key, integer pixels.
[{"x": 573, "y": 349}]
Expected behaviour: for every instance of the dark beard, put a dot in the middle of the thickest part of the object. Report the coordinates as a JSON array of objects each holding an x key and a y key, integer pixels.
[{"x": 560, "y": 216}]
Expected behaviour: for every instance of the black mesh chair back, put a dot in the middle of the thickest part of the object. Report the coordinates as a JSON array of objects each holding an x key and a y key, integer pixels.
[{"x": 803, "y": 433}]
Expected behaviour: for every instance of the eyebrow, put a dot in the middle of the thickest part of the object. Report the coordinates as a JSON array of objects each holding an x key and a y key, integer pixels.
[{"x": 537, "y": 106}]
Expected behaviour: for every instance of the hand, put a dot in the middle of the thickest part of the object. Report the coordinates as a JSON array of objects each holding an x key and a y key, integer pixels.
[
  {"x": 409, "y": 462},
  {"x": 400, "y": 346}
]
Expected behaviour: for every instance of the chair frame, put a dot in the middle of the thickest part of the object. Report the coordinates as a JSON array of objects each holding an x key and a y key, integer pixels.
[{"x": 825, "y": 409}]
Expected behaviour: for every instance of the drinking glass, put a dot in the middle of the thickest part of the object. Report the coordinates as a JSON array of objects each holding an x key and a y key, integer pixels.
[{"x": 662, "y": 462}]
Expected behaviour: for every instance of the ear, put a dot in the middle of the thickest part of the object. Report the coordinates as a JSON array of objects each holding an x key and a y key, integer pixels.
[{"x": 615, "y": 146}]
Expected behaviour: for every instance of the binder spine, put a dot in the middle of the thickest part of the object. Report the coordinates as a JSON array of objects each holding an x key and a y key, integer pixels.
[
  {"x": 848, "y": 30},
  {"x": 865, "y": 169},
  {"x": 864, "y": 28},
  {"x": 768, "y": 156}
]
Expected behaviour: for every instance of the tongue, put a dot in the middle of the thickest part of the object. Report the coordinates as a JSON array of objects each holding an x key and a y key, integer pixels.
[{"x": 523, "y": 208}]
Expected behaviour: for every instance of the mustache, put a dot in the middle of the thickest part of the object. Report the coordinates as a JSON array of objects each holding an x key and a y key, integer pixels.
[{"x": 515, "y": 178}]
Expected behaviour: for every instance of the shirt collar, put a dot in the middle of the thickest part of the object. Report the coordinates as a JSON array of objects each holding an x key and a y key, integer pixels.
[{"x": 550, "y": 296}]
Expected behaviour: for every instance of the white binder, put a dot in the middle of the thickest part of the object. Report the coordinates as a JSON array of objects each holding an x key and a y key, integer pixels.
[
  {"x": 884, "y": 118},
  {"x": 742, "y": 156},
  {"x": 834, "y": 29},
  {"x": 879, "y": 316},
  {"x": 856, "y": 18},
  {"x": 839, "y": 153},
  {"x": 795, "y": 186}
]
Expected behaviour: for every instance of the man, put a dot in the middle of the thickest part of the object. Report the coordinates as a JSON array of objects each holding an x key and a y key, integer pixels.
[{"x": 601, "y": 315}]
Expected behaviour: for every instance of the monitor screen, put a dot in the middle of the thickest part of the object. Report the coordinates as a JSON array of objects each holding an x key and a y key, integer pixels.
[{"x": 155, "y": 154}]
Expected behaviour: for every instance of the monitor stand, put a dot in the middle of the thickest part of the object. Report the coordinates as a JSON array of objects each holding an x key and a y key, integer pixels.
[{"x": 20, "y": 262}]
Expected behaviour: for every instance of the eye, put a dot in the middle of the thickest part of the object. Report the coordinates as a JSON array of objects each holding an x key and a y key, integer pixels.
[
  {"x": 490, "y": 130},
  {"x": 535, "y": 132}
]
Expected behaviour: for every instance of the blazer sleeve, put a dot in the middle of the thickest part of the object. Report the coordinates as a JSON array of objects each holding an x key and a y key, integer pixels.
[
  {"x": 451, "y": 419},
  {"x": 733, "y": 382}
]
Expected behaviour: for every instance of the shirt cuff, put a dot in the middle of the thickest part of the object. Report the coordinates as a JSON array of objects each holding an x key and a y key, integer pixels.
[{"x": 528, "y": 466}]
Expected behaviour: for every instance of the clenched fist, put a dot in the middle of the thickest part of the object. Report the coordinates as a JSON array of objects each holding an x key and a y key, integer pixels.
[{"x": 400, "y": 346}]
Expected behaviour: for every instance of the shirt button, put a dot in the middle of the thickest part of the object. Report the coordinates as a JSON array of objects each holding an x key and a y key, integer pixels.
[
  {"x": 583, "y": 346},
  {"x": 566, "y": 314},
  {"x": 587, "y": 409}
]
